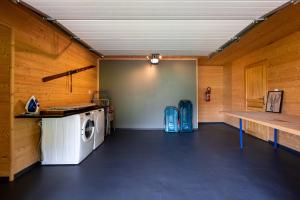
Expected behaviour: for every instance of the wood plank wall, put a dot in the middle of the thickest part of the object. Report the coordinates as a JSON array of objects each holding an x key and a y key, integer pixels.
[
  {"x": 227, "y": 86},
  {"x": 283, "y": 72},
  {"x": 40, "y": 50},
  {"x": 279, "y": 25},
  {"x": 210, "y": 76},
  {"x": 5, "y": 65}
]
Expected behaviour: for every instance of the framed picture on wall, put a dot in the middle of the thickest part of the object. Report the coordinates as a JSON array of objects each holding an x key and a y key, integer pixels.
[{"x": 274, "y": 101}]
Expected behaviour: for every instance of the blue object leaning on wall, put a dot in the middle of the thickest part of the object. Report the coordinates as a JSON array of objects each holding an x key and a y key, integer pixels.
[
  {"x": 186, "y": 115},
  {"x": 171, "y": 119}
]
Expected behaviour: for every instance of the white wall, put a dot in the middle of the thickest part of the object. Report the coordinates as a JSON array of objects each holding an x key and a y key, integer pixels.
[{"x": 140, "y": 92}]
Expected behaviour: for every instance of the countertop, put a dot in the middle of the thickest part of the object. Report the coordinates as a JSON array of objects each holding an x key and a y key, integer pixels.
[{"x": 58, "y": 113}]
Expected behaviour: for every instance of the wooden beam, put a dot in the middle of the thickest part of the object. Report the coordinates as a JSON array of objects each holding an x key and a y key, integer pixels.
[{"x": 67, "y": 73}]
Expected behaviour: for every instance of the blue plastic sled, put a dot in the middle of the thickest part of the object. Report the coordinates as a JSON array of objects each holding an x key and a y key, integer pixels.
[
  {"x": 186, "y": 116},
  {"x": 171, "y": 119}
]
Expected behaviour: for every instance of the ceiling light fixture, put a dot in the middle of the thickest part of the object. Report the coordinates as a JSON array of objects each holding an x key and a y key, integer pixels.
[{"x": 154, "y": 59}]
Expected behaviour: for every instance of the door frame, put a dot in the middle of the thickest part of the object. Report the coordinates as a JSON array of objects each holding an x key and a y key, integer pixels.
[{"x": 265, "y": 64}]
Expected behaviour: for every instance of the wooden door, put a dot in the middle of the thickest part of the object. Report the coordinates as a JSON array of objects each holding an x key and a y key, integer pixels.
[{"x": 256, "y": 89}]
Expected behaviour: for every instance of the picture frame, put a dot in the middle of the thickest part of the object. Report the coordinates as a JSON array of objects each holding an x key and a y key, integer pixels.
[{"x": 274, "y": 101}]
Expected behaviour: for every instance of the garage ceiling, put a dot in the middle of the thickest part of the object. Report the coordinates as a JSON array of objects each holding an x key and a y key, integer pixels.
[{"x": 142, "y": 27}]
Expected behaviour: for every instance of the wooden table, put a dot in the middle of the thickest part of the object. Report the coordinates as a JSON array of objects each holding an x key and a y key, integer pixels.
[{"x": 286, "y": 123}]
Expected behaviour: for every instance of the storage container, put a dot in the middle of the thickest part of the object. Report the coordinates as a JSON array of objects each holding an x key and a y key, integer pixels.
[
  {"x": 186, "y": 115},
  {"x": 171, "y": 119}
]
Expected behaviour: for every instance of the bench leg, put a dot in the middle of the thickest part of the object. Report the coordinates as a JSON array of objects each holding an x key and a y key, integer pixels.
[
  {"x": 241, "y": 134},
  {"x": 275, "y": 145}
]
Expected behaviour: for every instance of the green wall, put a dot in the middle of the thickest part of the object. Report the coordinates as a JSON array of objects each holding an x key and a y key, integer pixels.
[{"x": 140, "y": 92}]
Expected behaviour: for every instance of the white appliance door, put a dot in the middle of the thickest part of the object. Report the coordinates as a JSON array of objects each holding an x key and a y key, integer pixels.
[
  {"x": 60, "y": 140},
  {"x": 100, "y": 127}
]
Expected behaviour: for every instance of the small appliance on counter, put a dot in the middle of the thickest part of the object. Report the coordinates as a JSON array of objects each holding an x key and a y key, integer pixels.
[{"x": 32, "y": 106}]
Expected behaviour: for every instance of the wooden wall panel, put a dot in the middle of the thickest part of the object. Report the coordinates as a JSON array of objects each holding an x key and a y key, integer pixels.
[
  {"x": 41, "y": 50},
  {"x": 5, "y": 129},
  {"x": 210, "y": 76},
  {"x": 26, "y": 144},
  {"x": 277, "y": 26},
  {"x": 283, "y": 72},
  {"x": 227, "y": 93}
]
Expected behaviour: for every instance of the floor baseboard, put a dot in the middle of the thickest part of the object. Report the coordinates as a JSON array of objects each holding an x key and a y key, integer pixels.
[{"x": 27, "y": 169}]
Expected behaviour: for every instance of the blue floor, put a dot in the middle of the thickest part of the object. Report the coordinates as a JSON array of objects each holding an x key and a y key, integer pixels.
[{"x": 207, "y": 164}]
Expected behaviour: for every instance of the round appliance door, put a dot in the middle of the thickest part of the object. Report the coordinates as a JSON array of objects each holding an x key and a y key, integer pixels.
[{"x": 88, "y": 130}]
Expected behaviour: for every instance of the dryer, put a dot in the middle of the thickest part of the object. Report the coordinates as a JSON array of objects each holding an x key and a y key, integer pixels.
[
  {"x": 99, "y": 119},
  {"x": 67, "y": 140}
]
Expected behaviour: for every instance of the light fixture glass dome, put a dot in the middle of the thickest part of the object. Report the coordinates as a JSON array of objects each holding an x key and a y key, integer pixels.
[{"x": 154, "y": 59}]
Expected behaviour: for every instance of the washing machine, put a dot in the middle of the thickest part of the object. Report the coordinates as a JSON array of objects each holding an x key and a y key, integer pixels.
[
  {"x": 99, "y": 119},
  {"x": 67, "y": 140}
]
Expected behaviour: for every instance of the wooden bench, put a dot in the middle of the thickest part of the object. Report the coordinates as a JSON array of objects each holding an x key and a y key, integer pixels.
[{"x": 286, "y": 123}]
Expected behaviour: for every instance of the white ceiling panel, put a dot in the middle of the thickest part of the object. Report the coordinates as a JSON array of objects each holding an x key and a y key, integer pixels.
[
  {"x": 155, "y": 35},
  {"x": 155, "y": 9},
  {"x": 141, "y": 27},
  {"x": 143, "y": 52},
  {"x": 185, "y": 29}
]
